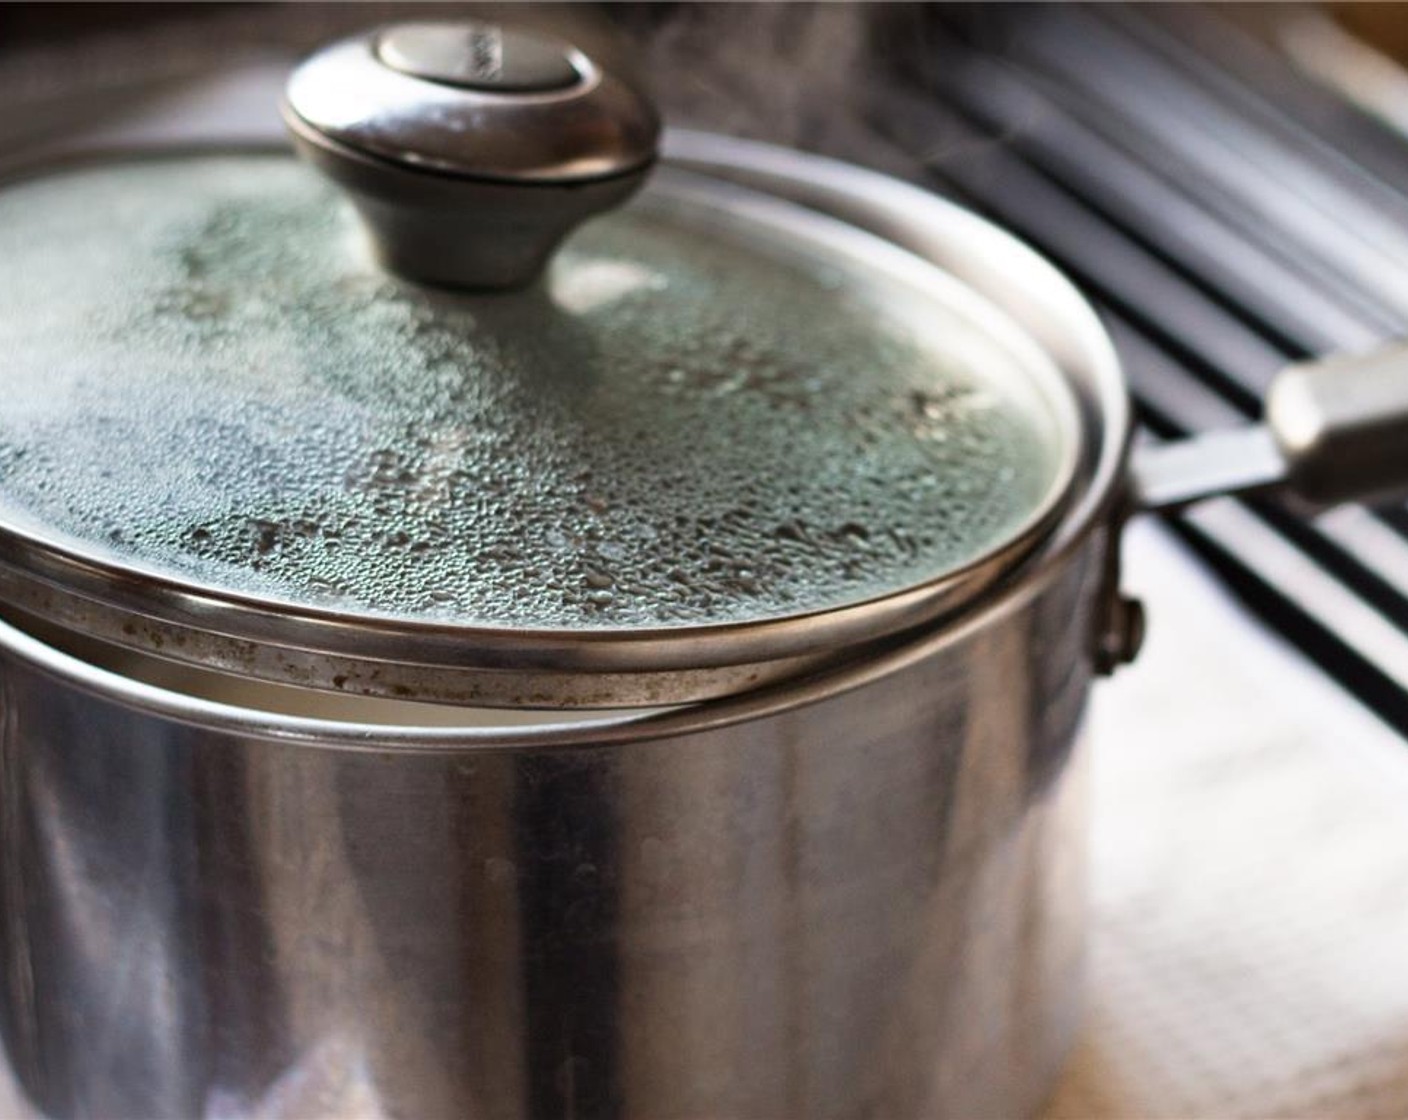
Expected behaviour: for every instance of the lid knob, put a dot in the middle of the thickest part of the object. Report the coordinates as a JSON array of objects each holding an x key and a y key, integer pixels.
[{"x": 470, "y": 149}]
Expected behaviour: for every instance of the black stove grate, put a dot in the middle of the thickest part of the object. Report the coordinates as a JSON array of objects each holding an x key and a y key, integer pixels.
[{"x": 1228, "y": 216}]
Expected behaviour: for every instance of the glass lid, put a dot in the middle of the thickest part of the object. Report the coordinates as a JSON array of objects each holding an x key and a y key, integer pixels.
[{"x": 228, "y": 430}]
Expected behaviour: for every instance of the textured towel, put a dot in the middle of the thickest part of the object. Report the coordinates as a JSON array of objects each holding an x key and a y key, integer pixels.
[{"x": 1250, "y": 846}]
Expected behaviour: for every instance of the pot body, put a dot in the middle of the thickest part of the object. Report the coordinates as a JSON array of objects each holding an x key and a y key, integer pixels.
[{"x": 854, "y": 897}]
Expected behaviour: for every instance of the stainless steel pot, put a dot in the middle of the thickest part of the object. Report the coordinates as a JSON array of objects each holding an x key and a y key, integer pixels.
[{"x": 852, "y": 888}]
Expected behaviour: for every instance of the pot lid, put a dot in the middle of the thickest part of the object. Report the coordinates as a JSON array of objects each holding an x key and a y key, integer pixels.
[{"x": 720, "y": 440}]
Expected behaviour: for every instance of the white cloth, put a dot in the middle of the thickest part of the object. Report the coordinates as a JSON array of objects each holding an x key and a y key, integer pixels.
[{"x": 1250, "y": 877}]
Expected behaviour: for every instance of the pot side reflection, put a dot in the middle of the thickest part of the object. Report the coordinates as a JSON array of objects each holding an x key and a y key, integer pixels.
[{"x": 869, "y": 903}]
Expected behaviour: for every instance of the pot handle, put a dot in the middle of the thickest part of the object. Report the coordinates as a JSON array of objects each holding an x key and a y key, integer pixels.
[{"x": 1334, "y": 431}]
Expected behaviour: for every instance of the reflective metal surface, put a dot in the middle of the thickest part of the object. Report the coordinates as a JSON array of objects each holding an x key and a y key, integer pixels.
[
  {"x": 855, "y": 896},
  {"x": 470, "y": 150},
  {"x": 1342, "y": 424},
  {"x": 894, "y": 937},
  {"x": 860, "y": 897},
  {"x": 1335, "y": 431},
  {"x": 594, "y": 128},
  {"x": 1242, "y": 460}
]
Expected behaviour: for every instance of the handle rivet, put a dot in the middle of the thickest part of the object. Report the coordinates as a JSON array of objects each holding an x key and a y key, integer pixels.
[{"x": 1123, "y": 635}]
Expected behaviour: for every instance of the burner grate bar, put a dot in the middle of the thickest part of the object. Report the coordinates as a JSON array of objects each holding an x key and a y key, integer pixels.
[{"x": 1206, "y": 290}]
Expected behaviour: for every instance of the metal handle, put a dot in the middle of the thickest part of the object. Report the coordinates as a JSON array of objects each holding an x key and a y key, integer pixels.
[
  {"x": 1335, "y": 430},
  {"x": 469, "y": 149},
  {"x": 1342, "y": 426}
]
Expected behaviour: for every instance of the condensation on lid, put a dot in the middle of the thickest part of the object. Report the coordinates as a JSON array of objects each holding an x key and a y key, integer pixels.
[{"x": 698, "y": 418}]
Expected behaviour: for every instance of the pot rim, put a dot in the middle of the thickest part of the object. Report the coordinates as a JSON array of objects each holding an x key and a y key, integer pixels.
[{"x": 583, "y": 730}]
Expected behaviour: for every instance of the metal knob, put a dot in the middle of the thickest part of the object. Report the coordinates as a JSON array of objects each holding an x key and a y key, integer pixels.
[
  {"x": 469, "y": 149},
  {"x": 1342, "y": 426}
]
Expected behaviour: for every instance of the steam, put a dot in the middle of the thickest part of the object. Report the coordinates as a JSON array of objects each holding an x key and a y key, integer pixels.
[{"x": 803, "y": 75}]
